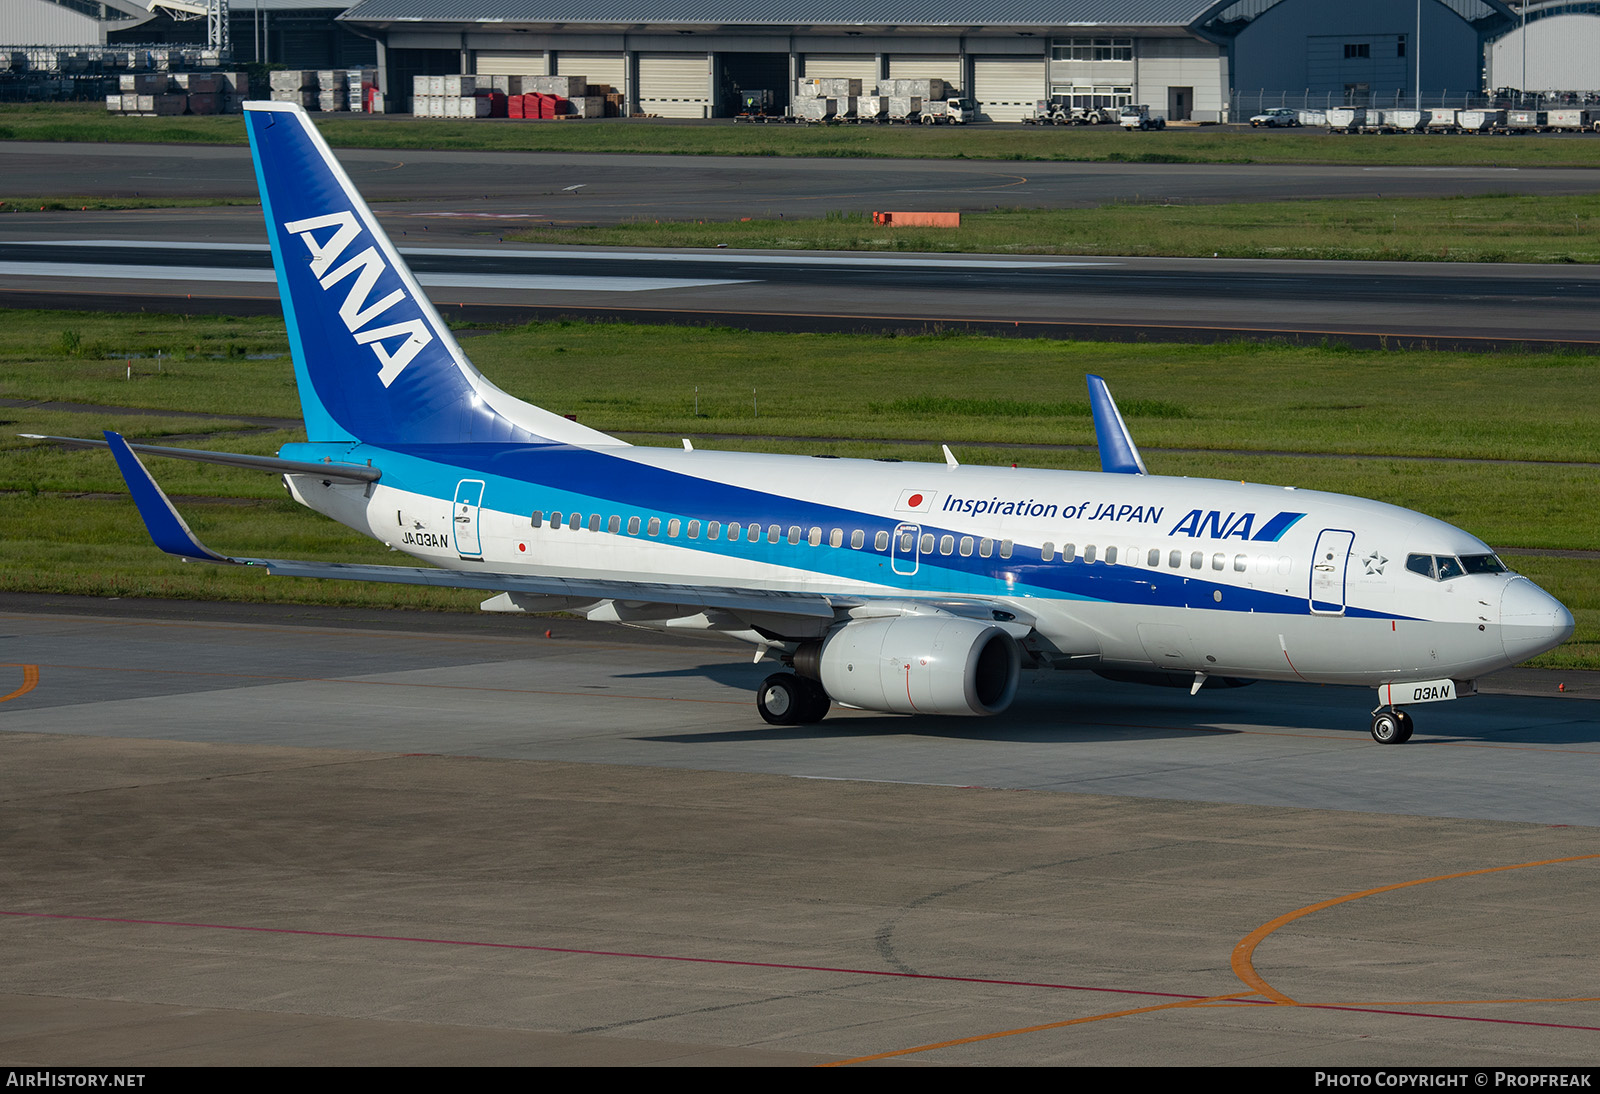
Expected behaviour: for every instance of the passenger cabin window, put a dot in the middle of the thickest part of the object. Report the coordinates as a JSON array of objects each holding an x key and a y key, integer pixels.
[
  {"x": 927, "y": 543},
  {"x": 985, "y": 548},
  {"x": 947, "y": 544},
  {"x": 1088, "y": 553},
  {"x": 673, "y": 527},
  {"x": 714, "y": 530},
  {"x": 836, "y": 538},
  {"x": 1005, "y": 548},
  {"x": 880, "y": 542},
  {"x": 966, "y": 546},
  {"x": 858, "y": 539},
  {"x": 734, "y": 528},
  {"x": 576, "y": 523},
  {"x": 538, "y": 519},
  {"x": 633, "y": 526},
  {"x": 1047, "y": 552},
  {"x": 655, "y": 526},
  {"x": 555, "y": 521},
  {"x": 694, "y": 529},
  {"x": 594, "y": 523},
  {"x": 1111, "y": 556},
  {"x": 614, "y": 525},
  {"x": 1154, "y": 558},
  {"x": 1069, "y": 551}
]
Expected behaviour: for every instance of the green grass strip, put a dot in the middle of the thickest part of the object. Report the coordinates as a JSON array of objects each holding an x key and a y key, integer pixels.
[{"x": 92, "y": 123}]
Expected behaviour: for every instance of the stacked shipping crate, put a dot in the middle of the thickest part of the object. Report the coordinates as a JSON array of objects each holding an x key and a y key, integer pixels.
[
  {"x": 510, "y": 96},
  {"x": 819, "y": 98},
  {"x": 163, "y": 95}
]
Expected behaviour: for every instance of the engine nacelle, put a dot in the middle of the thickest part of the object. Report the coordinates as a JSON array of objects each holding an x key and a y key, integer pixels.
[{"x": 917, "y": 664}]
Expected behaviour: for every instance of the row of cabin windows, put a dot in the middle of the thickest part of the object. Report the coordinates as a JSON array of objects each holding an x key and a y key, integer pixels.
[
  {"x": 946, "y": 545},
  {"x": 753, "y": 533},
  {"x": 1175, "y": 559}
]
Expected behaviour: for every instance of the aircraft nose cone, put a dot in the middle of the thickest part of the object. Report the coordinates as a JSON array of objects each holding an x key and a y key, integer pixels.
[{"x": 1531, "y": 620}]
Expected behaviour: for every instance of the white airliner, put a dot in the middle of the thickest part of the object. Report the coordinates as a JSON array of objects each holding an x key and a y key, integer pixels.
[{"x": 888, "y": 586}]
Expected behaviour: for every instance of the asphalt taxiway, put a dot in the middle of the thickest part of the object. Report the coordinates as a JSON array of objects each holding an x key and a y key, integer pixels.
[
  {"x": 244, "y": 835},
  {"x": 450, "y": 213}
]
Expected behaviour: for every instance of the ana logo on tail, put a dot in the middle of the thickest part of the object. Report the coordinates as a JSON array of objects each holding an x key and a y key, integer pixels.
[{"x": 366, "y": 268}]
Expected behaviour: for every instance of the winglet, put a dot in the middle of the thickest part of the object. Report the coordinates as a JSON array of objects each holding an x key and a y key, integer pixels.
[
  {"x": 1118, "y": 454},
  {"x": 166, "y": 527}
]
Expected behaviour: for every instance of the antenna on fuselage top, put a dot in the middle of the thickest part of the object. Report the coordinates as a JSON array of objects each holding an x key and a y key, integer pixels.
[{"x": 1118, "y": 454}]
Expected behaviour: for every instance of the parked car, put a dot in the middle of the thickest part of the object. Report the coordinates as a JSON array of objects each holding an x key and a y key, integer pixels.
[{"x": 1282, "y": 116}]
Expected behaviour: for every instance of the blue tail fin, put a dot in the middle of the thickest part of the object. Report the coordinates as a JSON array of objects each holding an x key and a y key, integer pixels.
[{"x": 373, "y": 360}]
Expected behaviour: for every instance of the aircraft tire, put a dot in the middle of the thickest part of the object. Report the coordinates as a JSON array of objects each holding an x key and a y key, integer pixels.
[
  {"x": 815, "y": 704},
  {"x": 1406, "y": 724},
  {"x": 782, "y": 700},
  {"x": 1391, "y": 727}
]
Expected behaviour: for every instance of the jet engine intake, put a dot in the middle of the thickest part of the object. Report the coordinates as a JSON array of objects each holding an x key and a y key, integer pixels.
[{"x": 916, "y": 664}]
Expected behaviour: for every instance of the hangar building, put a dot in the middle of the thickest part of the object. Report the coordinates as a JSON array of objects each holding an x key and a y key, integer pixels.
[
  {"x": 1555, "y": 46},
  {"x": 690, "y": 58}
]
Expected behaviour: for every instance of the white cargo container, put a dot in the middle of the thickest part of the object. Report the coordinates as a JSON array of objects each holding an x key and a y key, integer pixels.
[
  {"x": 1377, "y": 121},
  {"x": 1525, "y": 121},
  {"x": 1571, "y": 118},
  {"x": 1443, "y": 121},
  {"x": 1348, "y": 119},
  {"x": 1480, "y": 121},
  {"x": 292, "y": 79},
  {"x": 816, "y": 109},
  {"x": 904, "y": 108},
  {"x": 1405, "y": 121}
]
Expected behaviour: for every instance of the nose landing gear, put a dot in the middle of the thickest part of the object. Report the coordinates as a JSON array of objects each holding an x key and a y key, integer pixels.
[{"x": 1391, "y": 727}]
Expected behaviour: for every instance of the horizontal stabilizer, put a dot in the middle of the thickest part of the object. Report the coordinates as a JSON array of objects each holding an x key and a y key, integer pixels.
[
  {"x": 166, "y": 527},
  {"x": 337, "y": 472}
]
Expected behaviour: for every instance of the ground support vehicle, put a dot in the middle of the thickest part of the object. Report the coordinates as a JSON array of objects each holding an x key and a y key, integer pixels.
[
  {"x": 1138, "y": 117},
  {"x": 949, "y": 112},
  {"x": 1278, "y": 118}
]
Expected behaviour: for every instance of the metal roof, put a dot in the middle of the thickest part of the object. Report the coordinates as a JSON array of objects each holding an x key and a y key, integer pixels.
[
  {"x": 864, "y": 13},
  {"x": 1239, "y": 12}
]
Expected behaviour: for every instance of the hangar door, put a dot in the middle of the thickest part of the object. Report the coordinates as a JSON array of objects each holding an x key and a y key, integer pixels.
[
  {"x": 513, "y": 63},
  {"x": 675, "y": 85},
  {"x": 854, "y": 66},
  {"x": 926, "y": 66},
  {"x": 604, "y": 69},
  {"x": 1007, "y": 87}
]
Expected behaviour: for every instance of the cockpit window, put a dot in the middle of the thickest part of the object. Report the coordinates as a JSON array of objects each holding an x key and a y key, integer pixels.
[
  {"x": 1444, "y": 567},
  {"x": 1483, "y": 564}
]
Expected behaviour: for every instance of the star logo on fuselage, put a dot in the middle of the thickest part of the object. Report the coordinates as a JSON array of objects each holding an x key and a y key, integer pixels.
[{"x": 1374, "y": 563}]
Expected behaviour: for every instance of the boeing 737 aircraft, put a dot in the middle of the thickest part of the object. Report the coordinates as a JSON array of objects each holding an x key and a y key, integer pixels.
[{"x": 888, "y": 586}]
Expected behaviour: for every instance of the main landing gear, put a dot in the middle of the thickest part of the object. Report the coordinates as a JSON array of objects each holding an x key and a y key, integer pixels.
[
  {"x": 785, "y": 699},
  {"x": 1391, "y": 727}
]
